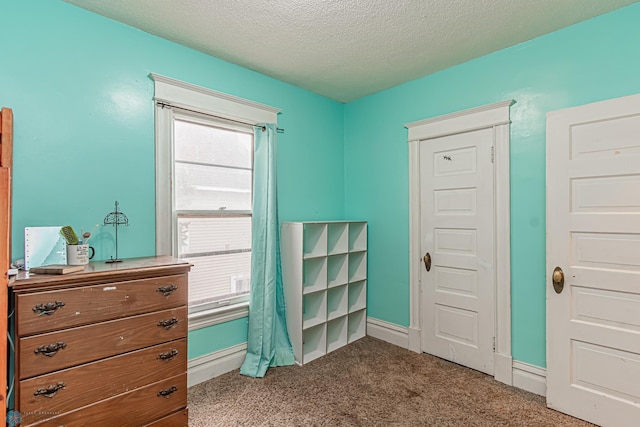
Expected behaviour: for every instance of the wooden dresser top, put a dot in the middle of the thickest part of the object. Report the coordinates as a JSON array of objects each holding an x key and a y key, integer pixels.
[{"x": 100, "y": 271}]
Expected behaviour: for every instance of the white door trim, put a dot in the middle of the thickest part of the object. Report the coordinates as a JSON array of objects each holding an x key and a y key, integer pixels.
[{"x": 494, "y": 116}]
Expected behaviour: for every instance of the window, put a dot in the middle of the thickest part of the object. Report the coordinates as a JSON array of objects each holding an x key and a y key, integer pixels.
[
  {"x": 204, "y": 174},
  {"x": 212, "y": 191}
]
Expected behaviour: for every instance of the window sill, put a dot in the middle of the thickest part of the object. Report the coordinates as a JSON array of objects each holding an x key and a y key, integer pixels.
[{"x": 215, "y": 316}]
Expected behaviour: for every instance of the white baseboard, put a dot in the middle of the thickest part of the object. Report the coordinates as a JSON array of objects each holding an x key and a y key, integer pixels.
[
  {"x": 389, "y": 332},
  {"x": 530, "y": 378},
  {"x": 214, "y": 364},
  {"x": 503, "y": 368},
  {"x": 415, "y": 337}
]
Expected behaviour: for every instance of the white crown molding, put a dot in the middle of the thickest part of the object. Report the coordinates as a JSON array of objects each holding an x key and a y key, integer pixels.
[
  {"x": 461, "y": 121},
  {"x": 186, "y": 95}
]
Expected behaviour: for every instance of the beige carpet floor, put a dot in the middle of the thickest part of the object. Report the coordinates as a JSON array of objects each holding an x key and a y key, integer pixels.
[{"x": 369, "y": 383}]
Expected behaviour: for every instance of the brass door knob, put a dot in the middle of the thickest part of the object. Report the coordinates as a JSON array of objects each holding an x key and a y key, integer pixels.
[
  {"x": 558, "y": 280},
  {"x": 427, "y": 261}
]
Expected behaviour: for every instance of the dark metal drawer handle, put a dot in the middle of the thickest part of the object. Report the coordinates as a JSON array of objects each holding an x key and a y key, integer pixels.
[
  {"x": 48, "y": 308},
  {"x": 167, "y": 392},
  {"x": 51, "y": 349},
  {"x": 168, "y": 324},
  {"x": 168, "y": 355},
  {"x": 50, "y": 391},
  {"x": 167, "y": 290}
]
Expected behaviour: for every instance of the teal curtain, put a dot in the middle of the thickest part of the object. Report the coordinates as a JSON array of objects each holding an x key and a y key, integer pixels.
[{"x": 268, "y": 343}]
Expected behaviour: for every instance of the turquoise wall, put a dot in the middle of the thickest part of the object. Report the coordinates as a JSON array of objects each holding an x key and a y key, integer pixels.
[
  {"x": 218, "y": 337},
  {"x": 84, "y": 130},
  {"x": 84, "y": 137},
  {"x": 591, "y": 61},
  {"x": 84, "y": 124}
]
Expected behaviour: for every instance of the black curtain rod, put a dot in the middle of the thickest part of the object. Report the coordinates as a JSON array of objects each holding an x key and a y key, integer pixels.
[{"x": 162, "y": 104}]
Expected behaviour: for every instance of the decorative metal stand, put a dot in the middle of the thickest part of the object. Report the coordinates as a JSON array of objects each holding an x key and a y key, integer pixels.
[{"x": 116, "y": 218}]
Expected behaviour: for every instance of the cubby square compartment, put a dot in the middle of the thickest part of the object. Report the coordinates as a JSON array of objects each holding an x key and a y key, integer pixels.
[
  {"x": 338, "y": 238},
  {"x": 358, "y": 236},
  {"x": 314, "y": 309},
  {"x": 357, "y": 266},
  {"x": 314, "y": 343},
  {"x": 315, "y": 240},
  {"x": 315, "y": 274},
  {"x": 337, "y": 270},
  {"x": 357, "y": 325},
  {"x": 337, "y": 299},
  {"x": 336, "y": 333},
  {"x": 357, "y": 296}
]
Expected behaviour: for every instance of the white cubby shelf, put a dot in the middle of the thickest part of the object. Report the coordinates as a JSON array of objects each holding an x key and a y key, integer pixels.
[
  {"x": 357, "y": 296},
  {"x": 315, "y": 240},
  {"x": 315, "y": 342},
  {"x": 357, "y": 325},
  {"x": 314, "y": 309},
  {"x": 314, "y": 271},
  {"x": 357, "y": 266},
  {"x": 338, "y": 238},
  {"x": 337, "y": 302},
  {"x": 337, "y": 270},
  {"x": 358, "y": 236},
  {"x": 324, "y": 271},
  {"x": 336, "y": 333}
]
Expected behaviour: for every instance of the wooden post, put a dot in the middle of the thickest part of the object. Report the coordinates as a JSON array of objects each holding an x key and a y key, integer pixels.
[
  {"x": 6, "y": 138},
  {"x": 6, "y": 153}
]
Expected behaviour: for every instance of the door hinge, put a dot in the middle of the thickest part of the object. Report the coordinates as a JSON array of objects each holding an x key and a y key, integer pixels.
[
  {"x": 494, "y": 344},
  {"x": 493, "y": 150}
]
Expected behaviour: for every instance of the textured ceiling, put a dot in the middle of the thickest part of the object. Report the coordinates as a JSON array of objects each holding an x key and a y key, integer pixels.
[{"x": 346, "y": 49}]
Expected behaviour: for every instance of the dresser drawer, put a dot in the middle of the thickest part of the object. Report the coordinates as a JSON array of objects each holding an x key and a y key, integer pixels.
[
  {"x": 179, "y": 419},
  {"x": 131, "y": 409},
  {"x": 91, "y": 382},
  {"x": 51, "y": 310},
  {"x": 84, "y": 344}
]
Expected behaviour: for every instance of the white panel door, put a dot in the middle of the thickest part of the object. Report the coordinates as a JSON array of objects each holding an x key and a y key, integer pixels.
[
  {"x": 456, "y": 191},
  {"x": 593, "y": 235}
]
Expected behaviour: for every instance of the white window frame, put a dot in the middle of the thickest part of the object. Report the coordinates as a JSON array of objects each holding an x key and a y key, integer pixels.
[{"x": 174, "y": 93}]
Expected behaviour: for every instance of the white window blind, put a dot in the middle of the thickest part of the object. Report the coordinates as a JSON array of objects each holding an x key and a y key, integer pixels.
[{"x": 213, "y": 168}]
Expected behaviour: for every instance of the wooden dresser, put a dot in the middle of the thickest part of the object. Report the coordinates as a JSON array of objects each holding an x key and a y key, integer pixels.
[{"x": 103, "y": 347}]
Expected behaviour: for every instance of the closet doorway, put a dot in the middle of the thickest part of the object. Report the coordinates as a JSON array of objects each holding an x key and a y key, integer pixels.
[{"x": 459, "y": 196}]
